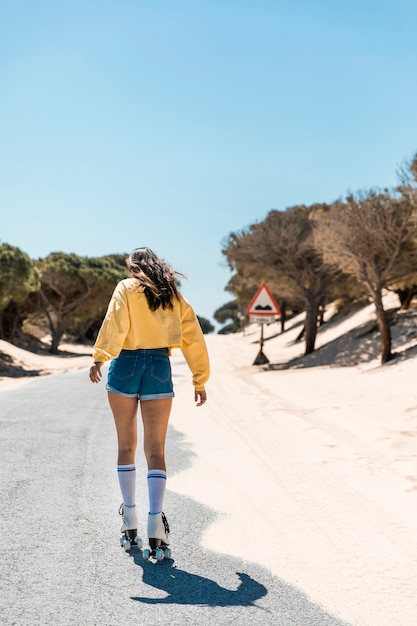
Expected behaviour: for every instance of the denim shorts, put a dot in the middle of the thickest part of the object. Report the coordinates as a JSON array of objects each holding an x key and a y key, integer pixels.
[{"x": 142, "y": 374}]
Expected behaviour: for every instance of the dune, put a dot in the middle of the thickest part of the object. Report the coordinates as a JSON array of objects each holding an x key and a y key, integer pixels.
[{"x": 311, "y": 462}]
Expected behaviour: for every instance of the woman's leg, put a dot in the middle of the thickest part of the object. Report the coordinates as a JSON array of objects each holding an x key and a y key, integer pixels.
[
  {"x": 155, "y": 416},
  {"x": 125, "y": 418}
]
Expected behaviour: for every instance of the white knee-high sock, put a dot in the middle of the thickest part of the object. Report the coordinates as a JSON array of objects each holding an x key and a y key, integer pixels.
[
  {"x": 156, "y": 489},
  {"x": 127, "y": 481}
]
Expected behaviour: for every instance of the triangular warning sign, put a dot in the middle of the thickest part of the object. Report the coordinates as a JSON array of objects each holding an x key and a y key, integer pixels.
[{"x": 263, "y": 303}]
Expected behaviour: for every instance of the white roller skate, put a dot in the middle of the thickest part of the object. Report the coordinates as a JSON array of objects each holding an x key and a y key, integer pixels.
[
  {"x": 129, "y": 530},
  {"x": 158, "y": 533}
]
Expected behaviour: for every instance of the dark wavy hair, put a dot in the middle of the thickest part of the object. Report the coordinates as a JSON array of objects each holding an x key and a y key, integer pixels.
[{"x": 157, "y": 278}]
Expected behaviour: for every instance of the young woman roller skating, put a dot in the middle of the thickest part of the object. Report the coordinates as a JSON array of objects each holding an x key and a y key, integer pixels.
[{"x": 147, "y": 316}]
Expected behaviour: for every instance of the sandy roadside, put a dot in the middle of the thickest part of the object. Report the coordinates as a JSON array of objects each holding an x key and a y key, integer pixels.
[
  {"x": 313, "y": 469},
  {"x": 23, "y": 366}
]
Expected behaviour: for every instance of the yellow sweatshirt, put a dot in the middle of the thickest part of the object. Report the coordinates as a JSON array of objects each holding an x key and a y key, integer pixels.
[{"x": 130, "y": 324}]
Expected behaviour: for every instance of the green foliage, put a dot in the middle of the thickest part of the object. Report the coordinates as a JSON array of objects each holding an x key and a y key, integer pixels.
[
  {"x": 280, "y": 251},
  {"x": 372, "y": 237},
  {"x": 19, "y": 279},
  {"x": 18, "y": 276},
  {"x": 206, "y": 326},
  {"x": 312, "y": 255},
  {"x": 229, "y": 311},
  {"x": 243, "y": 289},
  {"x": 86, "y": 319},
  {"x": 75, "y": 290}
]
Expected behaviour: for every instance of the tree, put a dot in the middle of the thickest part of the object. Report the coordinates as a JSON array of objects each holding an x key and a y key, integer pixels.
[
  {"x": 18, "y": 278},
  {"x": 229, "y": 311},
  {"x": 371, "y": 236},
  {"x": 75, "y": 289},
  {"x": 86, "y": 320},
  {"x": 406, "y": 288},
  {"x": 280, "y": 251},
  {"x": 206, "y": 326}
]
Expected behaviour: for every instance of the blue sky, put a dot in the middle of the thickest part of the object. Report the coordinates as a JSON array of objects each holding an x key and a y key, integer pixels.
[{"x": 171, "y": 123}]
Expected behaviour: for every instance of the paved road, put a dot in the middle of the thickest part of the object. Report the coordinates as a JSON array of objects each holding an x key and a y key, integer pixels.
[{"x": 61, "y": 562}]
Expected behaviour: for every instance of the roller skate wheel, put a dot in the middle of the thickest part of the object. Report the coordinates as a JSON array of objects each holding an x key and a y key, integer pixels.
[
  {"x": 159, "y": 554},
  {"x": 146, "y": 554},
  {"x": 139, "y": 543},
  {"x": 127, "y": 545},
  {"x": 122, "y": 539},
  {"x": 168, "y": 553}
]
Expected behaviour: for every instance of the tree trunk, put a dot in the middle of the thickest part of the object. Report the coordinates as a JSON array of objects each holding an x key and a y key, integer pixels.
[
  {"x": 10, "y": 322},
  {"x": 405, "y": 296},
  {"x": 56, "y": 327},
  {"x": 383, "y": 326},
  {"x": 311, "y": 325},
  {"x": 56, "y": 336}
]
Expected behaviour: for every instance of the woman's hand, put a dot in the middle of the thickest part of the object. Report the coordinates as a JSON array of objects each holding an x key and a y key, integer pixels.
[
  {"x": 200, "y": 397},
  {"x": 95, "y": 373}
]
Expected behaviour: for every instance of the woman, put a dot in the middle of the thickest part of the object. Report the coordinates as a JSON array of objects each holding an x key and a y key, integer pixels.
[{"x": 146, "y": 318}]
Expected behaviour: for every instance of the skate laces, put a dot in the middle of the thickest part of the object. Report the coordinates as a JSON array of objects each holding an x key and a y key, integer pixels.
[
  {"x": 122, "y": 512},
  {"x": 165, "y": 522},
  {"x": 122, "y": 509}
]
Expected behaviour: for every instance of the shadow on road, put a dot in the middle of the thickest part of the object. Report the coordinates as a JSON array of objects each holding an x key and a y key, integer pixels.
[
  {"x": 185, "y": 588},
  {"x": 221, "y": 582}
]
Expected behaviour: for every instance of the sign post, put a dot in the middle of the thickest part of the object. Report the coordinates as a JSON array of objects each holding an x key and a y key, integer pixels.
[{"x": 262, "y": 310}]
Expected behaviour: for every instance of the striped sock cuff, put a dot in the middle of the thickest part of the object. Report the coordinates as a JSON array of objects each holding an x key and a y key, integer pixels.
[
  {"x": 126, "y": 468},
  {"x": 157, "y": 474}
]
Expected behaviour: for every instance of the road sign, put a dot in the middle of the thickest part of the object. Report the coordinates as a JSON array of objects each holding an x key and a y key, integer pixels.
[
  {"x": 263, "y": 304},
  {"x": 263, "y": 309}
]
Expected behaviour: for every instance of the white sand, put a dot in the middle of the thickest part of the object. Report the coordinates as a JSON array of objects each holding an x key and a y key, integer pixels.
[
  {"x": 29, "y": 365},
  {"x": 313, "y": 470}
]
